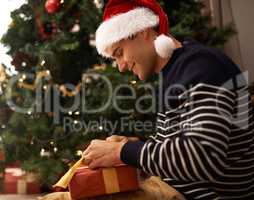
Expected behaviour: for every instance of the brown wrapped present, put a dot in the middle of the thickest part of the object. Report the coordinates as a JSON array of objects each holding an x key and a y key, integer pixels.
[{"x": 91, "y": 183}]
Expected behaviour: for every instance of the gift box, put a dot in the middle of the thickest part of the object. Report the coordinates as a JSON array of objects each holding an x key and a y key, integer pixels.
[
  {"x": 17, "y": 181},
  {"x": 2, "y": 169},
  {"x": 2, "y": 156},
  {"x": 1, "y": 184},
  {"x": 91, "y": 183}
]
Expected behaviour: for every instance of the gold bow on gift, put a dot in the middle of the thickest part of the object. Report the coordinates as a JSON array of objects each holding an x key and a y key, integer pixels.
[
  {"x": 109, "y": 176},
  {"x": 64, "y": 181}
]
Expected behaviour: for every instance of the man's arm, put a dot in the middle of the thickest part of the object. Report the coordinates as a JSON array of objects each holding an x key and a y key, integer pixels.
[{"x": 198, "y": 151}]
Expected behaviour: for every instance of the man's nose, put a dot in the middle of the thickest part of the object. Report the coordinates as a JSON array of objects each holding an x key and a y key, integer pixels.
[{"x": 122, "y": 65}]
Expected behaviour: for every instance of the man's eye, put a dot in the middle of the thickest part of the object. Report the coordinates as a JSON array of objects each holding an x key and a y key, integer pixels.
[{"x": 119, "y": 53}]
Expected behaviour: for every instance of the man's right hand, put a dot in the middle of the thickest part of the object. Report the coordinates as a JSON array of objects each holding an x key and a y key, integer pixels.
[{"x": 118, "y": 138}]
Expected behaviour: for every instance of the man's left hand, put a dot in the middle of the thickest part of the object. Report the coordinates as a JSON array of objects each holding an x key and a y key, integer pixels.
[{"x": 101, "y": 153}]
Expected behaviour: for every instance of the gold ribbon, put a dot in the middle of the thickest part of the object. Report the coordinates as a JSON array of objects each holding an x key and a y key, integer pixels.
[
  {"x": 110, "y": 180},
  {"x": 21, "y": 186},
  {"x": 64, "y": 181}
]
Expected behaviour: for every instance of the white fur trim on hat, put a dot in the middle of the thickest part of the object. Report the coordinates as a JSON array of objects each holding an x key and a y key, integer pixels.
[
  {"x": 122, "y": 26},
  {"x": 164, "y": 46}
]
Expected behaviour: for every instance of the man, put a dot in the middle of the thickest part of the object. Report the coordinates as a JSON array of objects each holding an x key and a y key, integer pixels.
[{"x": 204, "y": 145}]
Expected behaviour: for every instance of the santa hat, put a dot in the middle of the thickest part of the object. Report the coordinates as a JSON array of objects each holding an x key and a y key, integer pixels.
[{"x": 124, "y": 18}]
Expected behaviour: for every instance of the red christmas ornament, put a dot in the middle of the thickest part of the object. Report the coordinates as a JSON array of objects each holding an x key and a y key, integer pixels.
[
  {"x": 46, "y": 29},
  {"x": 52, "y": 6}
]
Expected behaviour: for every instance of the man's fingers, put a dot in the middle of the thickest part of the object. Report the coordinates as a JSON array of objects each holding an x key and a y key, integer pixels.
[
  {"x": 116, "y": 138},
  {"x": 95, "y": 141},
  {"x": 99, "y": 162},
  {"x": 88, "y": 156},
  {"x": 87, "y": 150},
  {"x": 101, "y": 153},
  {"x": 87, "y": 161},
  {"x": 93, "y": 144},
  {"x": 113, "y": 138},
  {"x": 94, "y": 154}
]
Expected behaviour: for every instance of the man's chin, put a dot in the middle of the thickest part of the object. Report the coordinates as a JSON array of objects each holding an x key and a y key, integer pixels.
[{"x": 142, "y": 77}]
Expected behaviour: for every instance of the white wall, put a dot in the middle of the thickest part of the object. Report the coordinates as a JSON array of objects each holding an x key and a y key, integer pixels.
[{"x": 243, "y": 15}]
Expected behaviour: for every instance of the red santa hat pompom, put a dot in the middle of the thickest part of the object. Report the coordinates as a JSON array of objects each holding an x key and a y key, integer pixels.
[{"x": 123, "y": 19}]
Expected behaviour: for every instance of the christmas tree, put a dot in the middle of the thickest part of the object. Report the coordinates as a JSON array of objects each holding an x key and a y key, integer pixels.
[
  {"x": 191, "y": 19},
  {"x": 60, "y": 78},
  {"x": 49, "y": 42}
]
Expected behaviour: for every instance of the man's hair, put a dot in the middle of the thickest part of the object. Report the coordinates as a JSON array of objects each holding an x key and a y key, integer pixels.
[
  {"x": 133, "y": 36},
  {"x": 156, "y": 28}
]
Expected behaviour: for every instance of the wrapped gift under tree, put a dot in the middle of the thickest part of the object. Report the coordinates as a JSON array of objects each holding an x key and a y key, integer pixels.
[
  {"x": 1, "y": 177},
  {"x": 2, "y": 168},
  {"x": 17, "y": 181},
  {"x": 91, "y": 183},
  {"x": 84, "y": 182}
]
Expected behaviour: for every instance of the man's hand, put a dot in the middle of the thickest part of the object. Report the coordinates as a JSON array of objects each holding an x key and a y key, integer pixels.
[
  {"x": 118, "y": 138},
  {"x": 101, "y": 153}
]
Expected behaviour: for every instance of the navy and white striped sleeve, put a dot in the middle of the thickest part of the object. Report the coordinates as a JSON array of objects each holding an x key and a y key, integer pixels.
[{"x": 197, "y": 150}]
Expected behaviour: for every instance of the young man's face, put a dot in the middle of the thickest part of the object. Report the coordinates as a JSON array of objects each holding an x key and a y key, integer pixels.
[{"x": 136, "y": 54}]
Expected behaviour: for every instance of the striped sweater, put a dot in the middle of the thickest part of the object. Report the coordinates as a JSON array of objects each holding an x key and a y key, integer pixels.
[{"x": 204, "y": 144}]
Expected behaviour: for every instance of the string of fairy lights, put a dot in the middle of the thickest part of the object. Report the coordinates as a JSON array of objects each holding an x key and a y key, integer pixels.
[
  {"x": 24, "y": 79},
  {"x": 64, "y": 91}
]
